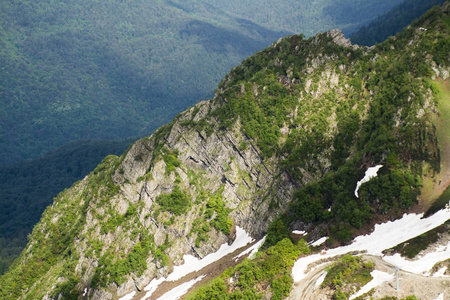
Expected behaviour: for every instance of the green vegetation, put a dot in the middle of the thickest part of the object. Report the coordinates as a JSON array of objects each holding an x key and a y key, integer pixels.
[
  {"x": 113, "y": 270},
  {"x": 202, "y": 228},
  {"x": 221, "y": 221},
  {"x": 252, "y": 278},
  {"x": 171, "y": 161},
  {"x": 347, "y": 273},
  {"x": 367, "y": 127},
  {"x": 214, "y": 215},
  {"x": 177, "y": 202}
]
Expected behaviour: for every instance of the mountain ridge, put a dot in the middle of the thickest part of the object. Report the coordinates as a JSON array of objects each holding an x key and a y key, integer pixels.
[{"x": 280, "y": 147}]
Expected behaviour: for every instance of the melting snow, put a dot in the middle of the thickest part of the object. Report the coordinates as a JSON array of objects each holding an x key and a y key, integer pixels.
[
  {"x": 127, "y": 297},
  {"x": 193, "y": 264},
  {"x": 180, "y": 290},
  {"x": 379, "y": 278},
  {"x": 299, "y": 232},
  {"x": 385, "y": 236},
  {"x": 319, "y": 241},
  {"x": 370, "y": 173},
  {"x": 252, "y": 250},
  {"x": 440, "y": 272},
  {"x": 423, "y": 264},
  {"x": 320, "y": 280}
]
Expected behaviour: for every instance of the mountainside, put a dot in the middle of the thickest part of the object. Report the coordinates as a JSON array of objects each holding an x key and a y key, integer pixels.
[
  {"x": 306, "y": 19},
  {"x": 280, "y": 147},
  {"x": 392, "y": 22},
  {"x": 115, "y": 69},
  {"x": 27, "y": 188}
]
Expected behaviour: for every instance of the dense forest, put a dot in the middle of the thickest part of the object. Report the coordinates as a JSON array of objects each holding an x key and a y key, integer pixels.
[
  {"x": 28, "y": 187},
  {"x": 392, "y": 22},
  {"x": 114, "y": 69}
]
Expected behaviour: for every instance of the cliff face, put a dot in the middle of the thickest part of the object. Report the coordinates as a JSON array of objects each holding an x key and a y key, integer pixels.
[{"x": 289, "y": 132}]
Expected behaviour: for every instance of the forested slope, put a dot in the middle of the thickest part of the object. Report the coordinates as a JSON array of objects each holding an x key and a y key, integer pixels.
[
  {"x": 114, "y": 69},
  {"x": 27, "y": 188},
  {"x": 392, "y": 22}
]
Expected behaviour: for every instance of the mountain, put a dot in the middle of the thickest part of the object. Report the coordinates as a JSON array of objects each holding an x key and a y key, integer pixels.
[
  {"x": 280, "y": 147},
  {"x": 41, "y": 188},
  {"x": 115, "y": 69},
  {"x": 28, "y": 187},
  {"x": 392, "y": 22},
  {"x": 308, "y": 18}
]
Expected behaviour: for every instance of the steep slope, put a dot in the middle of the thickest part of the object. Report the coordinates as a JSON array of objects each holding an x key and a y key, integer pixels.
[
  {"x": 281, "y": 146},
  {"x": 27, "y": 188},
  {"x": 115, "y": 69}
]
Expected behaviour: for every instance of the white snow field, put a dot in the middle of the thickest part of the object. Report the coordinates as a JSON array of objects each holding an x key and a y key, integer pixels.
[
  {"x": 385, "y": 236},
  {"x": 370, "y": 173}
]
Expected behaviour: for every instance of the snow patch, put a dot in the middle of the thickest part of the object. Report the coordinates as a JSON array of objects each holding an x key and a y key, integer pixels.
[
  {"x": 180, "y": 290},
  {"x": 128, "y": 296},
  {"x": 385, "y": 236},
  {"x": 252, "y": 250},
  {"x": 379, "y": 278},
  {"x": 370, "y": 173},
  {"x": 440, "y": 272},
  {"x": 299, "y": 232},
  {"x": 319, "y": 241},
  {"x": 320, "y": 280},
  {"x": 193, "y": 264},
  {"x": 151, "y": 287}
]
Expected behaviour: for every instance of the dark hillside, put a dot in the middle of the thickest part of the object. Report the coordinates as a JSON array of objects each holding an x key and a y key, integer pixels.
[
  {"x": 27, "y": 188},
  {"x": 392, "y": 22}
]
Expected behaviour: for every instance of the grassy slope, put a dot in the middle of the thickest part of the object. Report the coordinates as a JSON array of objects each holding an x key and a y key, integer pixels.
[{"x": 435, "y": 184}]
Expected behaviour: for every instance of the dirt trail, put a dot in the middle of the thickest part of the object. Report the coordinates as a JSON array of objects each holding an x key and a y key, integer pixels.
[{"x": 423, "y": 287}]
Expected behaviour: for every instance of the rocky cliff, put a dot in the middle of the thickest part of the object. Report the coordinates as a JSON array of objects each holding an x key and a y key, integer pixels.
[{"x": 288, "y": 133}]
